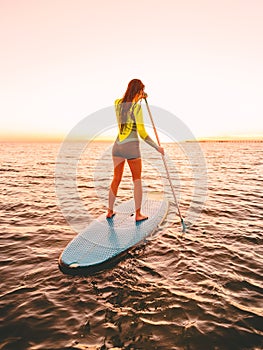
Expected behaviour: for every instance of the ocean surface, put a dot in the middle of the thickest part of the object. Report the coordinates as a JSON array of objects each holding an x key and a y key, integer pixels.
[{"x": 199, "y": 290}]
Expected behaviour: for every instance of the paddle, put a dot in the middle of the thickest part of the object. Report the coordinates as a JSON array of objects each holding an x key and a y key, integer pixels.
[{"x": 166, "y": 167}]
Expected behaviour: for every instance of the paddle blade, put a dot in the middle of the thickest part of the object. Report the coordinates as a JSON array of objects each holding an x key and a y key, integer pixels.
[{"x": 183, "y": 225}]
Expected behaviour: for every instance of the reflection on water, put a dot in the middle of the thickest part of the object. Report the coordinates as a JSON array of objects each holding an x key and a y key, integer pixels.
[{"x": 199, "y": 290}]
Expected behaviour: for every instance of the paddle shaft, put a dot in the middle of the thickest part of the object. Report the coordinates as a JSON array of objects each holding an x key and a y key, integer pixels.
[{"x": 165, "y": 164}]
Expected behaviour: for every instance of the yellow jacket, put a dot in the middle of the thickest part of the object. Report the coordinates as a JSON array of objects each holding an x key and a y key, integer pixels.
[{"x": 129, "y": 127}]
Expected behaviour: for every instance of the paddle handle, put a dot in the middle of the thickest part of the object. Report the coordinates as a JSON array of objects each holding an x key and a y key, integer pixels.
[{"x": 165, "y": 164}]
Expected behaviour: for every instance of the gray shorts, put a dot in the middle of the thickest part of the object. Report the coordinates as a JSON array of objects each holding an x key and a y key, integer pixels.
[{"x": 127, "y": 150}]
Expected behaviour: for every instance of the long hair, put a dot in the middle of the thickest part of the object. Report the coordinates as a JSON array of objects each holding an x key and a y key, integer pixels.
[{"x": 133, "y": 88}]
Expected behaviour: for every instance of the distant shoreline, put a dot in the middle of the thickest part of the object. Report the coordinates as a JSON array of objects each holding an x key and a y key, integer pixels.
[{"x": 229, "y": 140}]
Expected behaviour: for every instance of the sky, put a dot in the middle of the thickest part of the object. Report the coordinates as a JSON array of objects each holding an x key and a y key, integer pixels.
[{"x": 62, "y": 60}]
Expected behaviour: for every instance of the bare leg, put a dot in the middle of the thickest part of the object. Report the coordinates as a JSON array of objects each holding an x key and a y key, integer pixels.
[
  {"x": 136, "y": 169},
  {"x": 118, "y": 163}
]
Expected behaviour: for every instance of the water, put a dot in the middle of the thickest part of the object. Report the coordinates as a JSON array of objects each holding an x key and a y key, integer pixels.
[{"x": 198, "y": 290}]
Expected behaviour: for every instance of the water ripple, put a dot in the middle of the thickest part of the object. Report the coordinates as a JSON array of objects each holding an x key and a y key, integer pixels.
[{"x": 200, "y": 290}]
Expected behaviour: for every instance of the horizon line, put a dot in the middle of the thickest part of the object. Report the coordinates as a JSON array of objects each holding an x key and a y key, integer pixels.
[{"x": 60, "y": 139}]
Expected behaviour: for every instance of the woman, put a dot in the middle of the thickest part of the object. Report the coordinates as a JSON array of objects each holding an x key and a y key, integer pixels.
[{"x": 126, "y": 146}]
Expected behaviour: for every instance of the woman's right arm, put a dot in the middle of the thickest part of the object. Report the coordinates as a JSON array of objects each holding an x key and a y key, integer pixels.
[{"x": 141, "y": 129}]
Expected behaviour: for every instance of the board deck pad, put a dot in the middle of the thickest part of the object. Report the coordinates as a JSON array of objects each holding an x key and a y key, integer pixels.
[{"x": 104, "y": 239}]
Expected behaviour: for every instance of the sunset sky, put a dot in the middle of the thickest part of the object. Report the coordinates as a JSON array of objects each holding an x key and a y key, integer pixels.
[{"x": 64, "y": 59}]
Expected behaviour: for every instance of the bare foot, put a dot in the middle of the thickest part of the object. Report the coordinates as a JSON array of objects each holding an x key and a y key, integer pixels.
[
  {"x": 140, "y": 217},
  {"x": 110, "y": 214}
]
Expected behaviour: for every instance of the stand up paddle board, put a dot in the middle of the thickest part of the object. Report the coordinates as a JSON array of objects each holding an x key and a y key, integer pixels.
[{"x": 105, "y": 239}]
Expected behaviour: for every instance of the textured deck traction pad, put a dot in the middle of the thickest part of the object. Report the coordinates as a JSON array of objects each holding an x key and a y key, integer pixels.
[{"x": 104, "y": 239}]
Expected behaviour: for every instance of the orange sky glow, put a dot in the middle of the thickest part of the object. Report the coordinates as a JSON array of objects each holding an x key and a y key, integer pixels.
[{"x": 63, "y": 60}]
